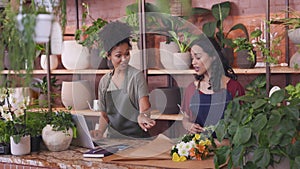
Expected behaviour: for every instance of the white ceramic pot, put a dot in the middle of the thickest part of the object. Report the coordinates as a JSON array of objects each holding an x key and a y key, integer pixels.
[
  {"x": 76, "y": 94},
  {"x": 21, "y": 148},
  {"x": 135, "y": 56},
  {"x": 166, "y": 54},
  {"x": 56, "y": 38},
  {"x": 21, "y": 94},
  {"x": 294, "y": 35},
  {"x": 56, "y": 140},
  {"x": 182, "y": 61},
  {"x": 295, "y": 60},
  {"x": 43, "y": 28},
  {"x": 75, "y": 56},
  {"x": 53, "y": 62}
]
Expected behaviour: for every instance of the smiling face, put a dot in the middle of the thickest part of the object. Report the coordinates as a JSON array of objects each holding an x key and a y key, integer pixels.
[
  {"x": 120, "y": 56},
  {"x": 201, "y": 61}
]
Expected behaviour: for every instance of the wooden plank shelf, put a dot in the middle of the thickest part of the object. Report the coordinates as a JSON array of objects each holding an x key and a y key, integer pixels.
[{"x": 261, "y": 70}]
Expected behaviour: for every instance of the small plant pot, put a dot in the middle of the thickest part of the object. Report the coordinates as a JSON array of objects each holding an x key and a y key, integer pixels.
[
  {"x": 21, "y": 148},
  {"x": 4, "y": 148},
  {"x": 243, "y": 61},
  {"x": 35, "y": 143}
]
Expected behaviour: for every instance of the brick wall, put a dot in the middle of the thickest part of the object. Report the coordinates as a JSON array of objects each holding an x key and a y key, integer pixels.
[{"x": 248, "y": 12}]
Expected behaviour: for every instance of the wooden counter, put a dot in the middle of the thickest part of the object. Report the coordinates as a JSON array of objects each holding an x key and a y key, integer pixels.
[
  {"x": 142, "y": 154},
  {"x": 68, "y": 159}
]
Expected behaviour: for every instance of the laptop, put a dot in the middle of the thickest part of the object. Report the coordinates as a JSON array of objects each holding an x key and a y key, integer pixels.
[{"x": 84, "y": 138}]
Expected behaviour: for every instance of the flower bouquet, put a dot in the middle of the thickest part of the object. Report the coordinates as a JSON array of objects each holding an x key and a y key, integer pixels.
[{"x": 193, "y": 146}]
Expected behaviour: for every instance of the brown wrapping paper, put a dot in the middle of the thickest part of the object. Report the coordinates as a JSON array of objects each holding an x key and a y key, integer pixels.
[{"x": 156, "y": 153}]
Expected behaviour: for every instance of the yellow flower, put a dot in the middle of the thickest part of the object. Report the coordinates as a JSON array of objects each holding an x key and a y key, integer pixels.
[
  {"x": 197, "y": 137},
  {"x": 176, "y": 158}
]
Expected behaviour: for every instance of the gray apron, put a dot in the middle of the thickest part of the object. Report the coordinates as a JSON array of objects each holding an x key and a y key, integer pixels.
[{"x": 122, "y": 114}]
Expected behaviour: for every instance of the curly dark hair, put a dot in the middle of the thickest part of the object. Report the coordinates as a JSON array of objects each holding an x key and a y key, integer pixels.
[
  {"x": 113, "y": 34},
  {"x": 219, "y": 66}
]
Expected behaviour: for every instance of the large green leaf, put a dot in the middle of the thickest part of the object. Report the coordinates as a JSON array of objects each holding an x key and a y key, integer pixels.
[
  {"x": 242, "y": 135},
  {"x": 221, "y": 155},
  {"x": 262, "y": 157},
  {"x": 242, "y": 27},
  {"x": 277, "y": 97},
  {"x": 258, "y": 103},
  {"x": 259, "y": 122},
  {"x": 220, "y": 130},
  {"x": 275, "y": 118},
  {"x": 209, "y": 29},
  {"x": 237, "y": 155},
  {"x": 221, "y": 11}
]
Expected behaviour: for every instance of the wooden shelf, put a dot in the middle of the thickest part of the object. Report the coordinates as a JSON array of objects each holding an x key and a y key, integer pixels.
[{"x": 261, "y": 70}]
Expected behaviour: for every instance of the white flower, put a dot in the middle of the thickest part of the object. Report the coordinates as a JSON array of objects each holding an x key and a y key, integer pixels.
[
  {"x": 184, "y": 148},
  {"x": 19, "y": 112},
  {"x": 7, "y": 116}
]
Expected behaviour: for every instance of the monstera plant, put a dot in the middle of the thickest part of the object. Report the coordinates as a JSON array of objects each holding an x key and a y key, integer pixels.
[{"x": 220, "y": 12}]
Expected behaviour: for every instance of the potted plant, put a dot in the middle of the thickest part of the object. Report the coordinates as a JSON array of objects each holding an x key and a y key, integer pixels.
[
  {"x": 42, "y": 86},
  {"x": 262, "y": 131},
  {"x": 4, "y": 137},
  {"x": 246, "y": 56},
  {"x": 293, "y": 25},
  {"x": 59, "y": 131},
  {"x": 88, "y": 36},
  {"x": 36, "y": 121},
  {"x": 14, "y": 115},
  {"x": 182, "y": 59},
  {"x": 220, "y": 12}
]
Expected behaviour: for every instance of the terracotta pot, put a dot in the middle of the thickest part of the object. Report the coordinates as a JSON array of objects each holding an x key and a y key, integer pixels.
[
  {"x": 21, "y": 148},
  {"x": 76, "y": 94},
  {"x": 56, "y": 140},
  {"x": 242, "y": 60}
]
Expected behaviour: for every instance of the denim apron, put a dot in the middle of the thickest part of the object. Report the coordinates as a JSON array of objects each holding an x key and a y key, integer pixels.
[
  {"x": 122, "y": 114},
  {"x": 208, "y": 109}
]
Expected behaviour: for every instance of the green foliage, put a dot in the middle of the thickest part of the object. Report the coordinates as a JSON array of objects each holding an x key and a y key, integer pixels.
[
  {"x": 266, "y": 127},
  {"x": 35, "y": 123},
  {"x": 61, "y": 121},
  {"x": 220, "y": 12},
  {"x": 184, "y": 42},
  {"x": 88, "y": 35},
  {"x": 43, "y": 85}
]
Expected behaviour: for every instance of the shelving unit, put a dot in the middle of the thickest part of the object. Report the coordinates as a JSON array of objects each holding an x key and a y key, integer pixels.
[{"x": 261, "y": 70}]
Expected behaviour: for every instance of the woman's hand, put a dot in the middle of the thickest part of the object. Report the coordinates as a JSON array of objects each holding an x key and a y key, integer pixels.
[
  {"x": 193, "y": 128},
  {"x": 145, "y": 122},
  {"x": 96, "y": 134}
]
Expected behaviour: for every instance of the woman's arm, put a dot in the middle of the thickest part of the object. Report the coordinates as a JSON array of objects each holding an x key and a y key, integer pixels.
[
  {"x": 103, "y": 122},
  {"x": 144, "y": 117}
]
